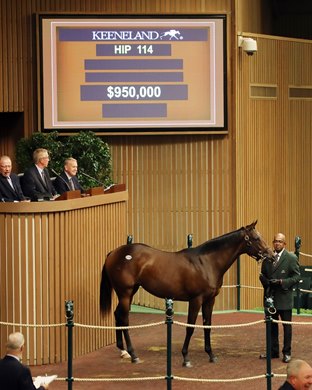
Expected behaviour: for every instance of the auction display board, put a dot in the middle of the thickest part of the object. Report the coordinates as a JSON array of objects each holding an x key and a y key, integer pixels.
[{"x": 133, "y": 74}]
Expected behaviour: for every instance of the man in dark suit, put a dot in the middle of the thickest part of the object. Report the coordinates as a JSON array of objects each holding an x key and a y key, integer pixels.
[
  {"x": 36, "y": 182},
  {"x": 299, "y": 376},
  {"x": 67, "y": 180},
  {"x": 10, "y": 188},
  {"x": 278, "y": 279},
  {"x": 13, "y": 374}
]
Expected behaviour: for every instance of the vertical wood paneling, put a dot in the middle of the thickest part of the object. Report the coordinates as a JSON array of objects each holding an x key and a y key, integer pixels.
[
  {"x": 203, "y": 185},
  {"x": 177, "y": 186},
  {"x": 48, "y": 258},
  {"x": 273, "y": 147}
]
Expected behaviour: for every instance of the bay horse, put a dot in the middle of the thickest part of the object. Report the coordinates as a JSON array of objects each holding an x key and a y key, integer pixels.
[{"x": 193, "y": 274}]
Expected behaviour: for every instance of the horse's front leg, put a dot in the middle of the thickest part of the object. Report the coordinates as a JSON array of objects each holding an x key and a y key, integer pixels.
[
  {"x": 193, "y": 310},
  {"x": 122, "y": 319},
  {"x": 207, "y": 307}
]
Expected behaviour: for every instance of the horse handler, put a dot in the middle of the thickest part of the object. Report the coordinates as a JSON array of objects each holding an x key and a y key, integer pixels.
[{"x": 278, "y": 279}]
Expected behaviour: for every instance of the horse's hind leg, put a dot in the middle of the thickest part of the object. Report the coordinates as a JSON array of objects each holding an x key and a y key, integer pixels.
[
  {"x": 207, "y": 312},
  {"x": 124, "y": 354},
  {"x": 191, "y": 319},
  {"x": 122, "y": 319}
]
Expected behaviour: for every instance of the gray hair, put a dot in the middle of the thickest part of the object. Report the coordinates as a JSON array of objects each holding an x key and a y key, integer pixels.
[
  {"x": 15, "y": 341},
  {"x": 38, "y": 154},
  {"x": 293, "y": 367}
]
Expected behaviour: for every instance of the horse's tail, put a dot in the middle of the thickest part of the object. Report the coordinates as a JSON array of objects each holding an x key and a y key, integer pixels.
[{"x": 105, "y": 292}]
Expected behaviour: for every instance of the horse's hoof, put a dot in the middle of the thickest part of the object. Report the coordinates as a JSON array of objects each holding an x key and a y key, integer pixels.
[
  {"x": 187, "y": 364},
  {"x": 135, "y": 360},
  {"x": 213, "y": 359},
  {"x": 125, "y": 355}
]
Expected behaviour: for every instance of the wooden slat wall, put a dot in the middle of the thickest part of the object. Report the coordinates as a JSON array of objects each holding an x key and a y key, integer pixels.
[
  {"x": 273, "y": 149},
  {"x": 47, "y": 258},
  {"x": 196, "y": 184},
  {"x": 204, "y": 211},
  {"x": 176, "y": 187}
]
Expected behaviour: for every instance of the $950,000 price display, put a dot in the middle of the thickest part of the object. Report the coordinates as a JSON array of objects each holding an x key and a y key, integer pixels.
[{"x": 133, "y": 92}]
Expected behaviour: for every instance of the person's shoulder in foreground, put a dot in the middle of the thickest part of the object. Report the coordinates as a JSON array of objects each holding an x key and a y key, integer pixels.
[
  {"x": 13, "y": 374},
  {"x": 299, "y": 376}
]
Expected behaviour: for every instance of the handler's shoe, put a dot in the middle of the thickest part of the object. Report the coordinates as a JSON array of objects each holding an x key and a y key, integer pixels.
[
  {"x": 273, "y": 356},
  {"x": 286, "y": 358}
]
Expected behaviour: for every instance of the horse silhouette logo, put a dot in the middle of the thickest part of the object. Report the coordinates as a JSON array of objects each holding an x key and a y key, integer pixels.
[{"x": 171, "y": 34}]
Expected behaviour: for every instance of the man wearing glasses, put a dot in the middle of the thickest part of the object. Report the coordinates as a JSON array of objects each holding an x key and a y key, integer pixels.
[
  {"x": 36, "y": 182},
  {"x": 278, "y": 279},
  {"x": 10, "y": 188}
]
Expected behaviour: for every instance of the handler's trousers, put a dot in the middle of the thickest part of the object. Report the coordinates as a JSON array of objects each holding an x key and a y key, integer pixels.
[{"x": 285, "y": 315}]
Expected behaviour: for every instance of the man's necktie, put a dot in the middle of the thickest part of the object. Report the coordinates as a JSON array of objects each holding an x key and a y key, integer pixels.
[
  {"x": 71, "y": 185},
  {"x": 43, "y": 178},
  {"x": 276, "y": 258},
  {"x": 10, "y": 182}
]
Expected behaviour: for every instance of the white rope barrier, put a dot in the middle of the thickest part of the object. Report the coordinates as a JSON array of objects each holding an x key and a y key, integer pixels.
[
  {"x": 306, "y": 291},
  {"x": 104, "y": 327},
  {"x": 32, "y": 325},
  {"x": 243, "y": 286},
  {"x": 218, "y": 326},
  {"x": 148, "y": 378},
  {"x": 181, "y": 378},
  {"x": 305, "y": 254},
  {"x": 292, "y": 322},
  {"x": 252, "y": 287}
]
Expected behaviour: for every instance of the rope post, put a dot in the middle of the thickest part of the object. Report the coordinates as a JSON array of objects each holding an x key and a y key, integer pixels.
[
  {"x": 269, "y": 309},
  {"x": 169, "y": 322},
  {"x": 189, "y": 240},
  {"x": 238, "y": 291},
  {"x": 297, "y": 252},
  {"x": 69, "y": 309},
  {"x": 129, "y": 239}
]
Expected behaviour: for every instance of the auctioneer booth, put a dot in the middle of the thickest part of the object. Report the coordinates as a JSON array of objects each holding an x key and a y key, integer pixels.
[{"x": 52, "y": 252}]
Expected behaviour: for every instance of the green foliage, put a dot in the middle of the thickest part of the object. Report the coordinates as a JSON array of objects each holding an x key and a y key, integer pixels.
[
  {"x": 93, "y": 156},
  {"x": 92, "y": 153},
  {"x": 49, "y": 141}
]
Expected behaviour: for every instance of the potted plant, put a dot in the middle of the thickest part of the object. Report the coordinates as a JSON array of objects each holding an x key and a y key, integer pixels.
[{"x": 91, "y": 152}]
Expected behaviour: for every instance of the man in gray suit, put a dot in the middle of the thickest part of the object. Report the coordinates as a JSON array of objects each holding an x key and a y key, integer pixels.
[
  {"x": 36, "y": 182},
  {"x": 278, "y": 279},
  {"x": 67, "y": 180}
]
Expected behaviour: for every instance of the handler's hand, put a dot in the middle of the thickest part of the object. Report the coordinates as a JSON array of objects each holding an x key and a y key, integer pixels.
[{"x": 275, "y": 282}]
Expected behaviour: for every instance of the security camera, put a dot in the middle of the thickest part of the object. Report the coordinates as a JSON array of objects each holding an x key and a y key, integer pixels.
[{"x": 248, "y": 45}]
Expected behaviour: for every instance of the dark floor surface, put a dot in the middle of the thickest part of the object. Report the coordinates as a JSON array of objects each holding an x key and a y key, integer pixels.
[{"x": 237, "y": 349}]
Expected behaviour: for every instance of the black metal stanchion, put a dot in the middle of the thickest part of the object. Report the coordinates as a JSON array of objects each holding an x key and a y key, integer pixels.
[
  {"x": 189, "y": 240},
  {"x": 238, "y": 291},
  {"x": 269, "y": 309},
  {"x": 69, "y": 309},
  {"x": 297, "y": 253},
  {"x": 169, "y": 322}
]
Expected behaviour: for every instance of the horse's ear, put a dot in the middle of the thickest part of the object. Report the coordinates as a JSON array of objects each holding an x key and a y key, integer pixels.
[{"x": 252, "y": 225}]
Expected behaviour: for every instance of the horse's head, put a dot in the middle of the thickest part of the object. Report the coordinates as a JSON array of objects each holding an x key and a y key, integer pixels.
[{"x": 255, "y": 246}]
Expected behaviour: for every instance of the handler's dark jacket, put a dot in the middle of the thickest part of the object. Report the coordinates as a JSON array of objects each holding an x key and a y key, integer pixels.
[{"x": 287, "y": 269}]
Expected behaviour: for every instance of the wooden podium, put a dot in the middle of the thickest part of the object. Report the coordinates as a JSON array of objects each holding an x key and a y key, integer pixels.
[
  {"x": 100, "y": 190},
  {"x": 115, "y": 188},
  {"x": 52, "y": 252},
  {"x": 95, "y": 191},
  {"x": 69, "y": 195}
]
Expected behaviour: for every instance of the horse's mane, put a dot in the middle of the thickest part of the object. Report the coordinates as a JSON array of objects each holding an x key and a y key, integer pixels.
[{"x": 217, "y": 242}]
